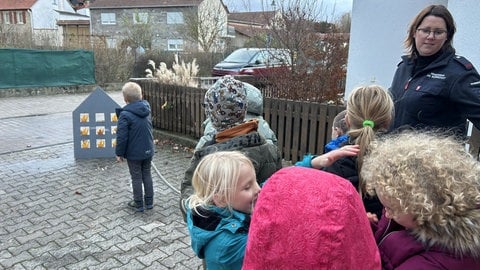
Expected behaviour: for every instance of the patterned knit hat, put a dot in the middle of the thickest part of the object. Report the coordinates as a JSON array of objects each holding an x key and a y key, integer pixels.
[{"x": 225, "y": 103}]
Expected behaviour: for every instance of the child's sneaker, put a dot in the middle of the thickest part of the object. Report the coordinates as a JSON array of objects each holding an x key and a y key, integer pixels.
[
  {"x": 138, "y": 206},
  {"x": 149, "y": 203}
]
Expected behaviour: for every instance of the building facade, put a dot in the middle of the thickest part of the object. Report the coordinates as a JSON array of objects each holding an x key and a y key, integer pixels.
[
  {"x": 45, "y": 22},
  {"x": 157, "y": 24}
]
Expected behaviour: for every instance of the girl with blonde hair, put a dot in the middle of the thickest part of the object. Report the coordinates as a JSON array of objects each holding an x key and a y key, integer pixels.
[
  {"x": 218, "y": 213},
  {"x": 369, "y": 112}
]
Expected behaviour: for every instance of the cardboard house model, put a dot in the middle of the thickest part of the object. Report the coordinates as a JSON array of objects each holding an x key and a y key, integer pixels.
[{"x": 95, "y": 126}]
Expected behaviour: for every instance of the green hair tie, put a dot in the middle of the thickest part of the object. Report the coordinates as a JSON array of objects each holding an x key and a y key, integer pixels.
[{"x": 368, "y": 123}]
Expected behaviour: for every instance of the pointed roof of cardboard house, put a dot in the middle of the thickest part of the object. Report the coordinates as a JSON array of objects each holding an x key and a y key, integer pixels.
[{"x": 97, "y": 101}]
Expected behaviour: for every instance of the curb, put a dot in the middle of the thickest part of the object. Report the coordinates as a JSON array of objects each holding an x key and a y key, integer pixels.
[{"x": 58, "y": 90}]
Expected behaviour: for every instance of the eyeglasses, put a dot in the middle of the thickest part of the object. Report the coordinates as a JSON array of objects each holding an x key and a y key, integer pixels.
[{"x": 425, "y": 32}]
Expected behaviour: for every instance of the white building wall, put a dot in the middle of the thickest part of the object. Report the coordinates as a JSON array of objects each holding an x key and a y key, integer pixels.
[
  {"x": 43, "y": 15},
  {"x": 467, "y": 38}
]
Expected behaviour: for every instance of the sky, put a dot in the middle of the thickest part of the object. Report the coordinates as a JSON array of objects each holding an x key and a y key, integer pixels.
[{"x": 333, "y": 8}]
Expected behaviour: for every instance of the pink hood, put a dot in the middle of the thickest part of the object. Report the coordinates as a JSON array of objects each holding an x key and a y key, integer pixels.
[{"x": 310, "y": 219}]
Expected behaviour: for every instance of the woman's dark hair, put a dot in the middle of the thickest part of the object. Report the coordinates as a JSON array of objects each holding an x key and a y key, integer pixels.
[{"x": 432, "y": 10}]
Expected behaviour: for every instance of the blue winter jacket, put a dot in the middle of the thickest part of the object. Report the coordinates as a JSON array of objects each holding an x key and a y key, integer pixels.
[
  {"x": 134, "y": 131},
  {"x": 336, "y": 143},
  {"x": 219, "y": 237}
]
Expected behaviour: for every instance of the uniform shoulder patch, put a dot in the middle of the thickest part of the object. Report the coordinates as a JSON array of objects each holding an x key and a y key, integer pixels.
[{"x": 464, "y": 62}]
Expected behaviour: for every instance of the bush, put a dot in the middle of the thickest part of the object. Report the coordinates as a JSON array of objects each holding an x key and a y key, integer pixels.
[{"x": 205, "y": 61}]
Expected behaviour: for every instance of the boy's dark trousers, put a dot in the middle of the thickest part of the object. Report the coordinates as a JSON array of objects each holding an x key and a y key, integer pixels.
[{"x": 140, "y": 171}]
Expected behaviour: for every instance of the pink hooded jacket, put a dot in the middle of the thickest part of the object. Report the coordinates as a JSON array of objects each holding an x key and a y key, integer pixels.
[{"x": 310, "y": 219}]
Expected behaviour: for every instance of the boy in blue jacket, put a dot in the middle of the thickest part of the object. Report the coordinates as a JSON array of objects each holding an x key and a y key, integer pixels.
[{"x": 135, "y": 144}]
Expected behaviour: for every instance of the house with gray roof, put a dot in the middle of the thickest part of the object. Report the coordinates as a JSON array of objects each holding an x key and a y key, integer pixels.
[{"x": 160, "y": 24}]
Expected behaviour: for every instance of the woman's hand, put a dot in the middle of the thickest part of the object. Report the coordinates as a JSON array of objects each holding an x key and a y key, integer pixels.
[{"x": 329, "y": 158}]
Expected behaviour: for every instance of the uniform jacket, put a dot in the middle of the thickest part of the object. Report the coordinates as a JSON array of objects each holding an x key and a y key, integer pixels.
[
  {"x": 219, "y": 237},
  {"x": 309, "y": 219},
  {"x": 134, "y": 131},
  {"x": 402, "y": 249},
  {"x": 442, "y": 95},
  {"x": 265, "y": 158}
]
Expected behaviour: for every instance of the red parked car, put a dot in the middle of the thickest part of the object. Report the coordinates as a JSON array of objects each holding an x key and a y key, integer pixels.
[{"x": 258, "y": 62}]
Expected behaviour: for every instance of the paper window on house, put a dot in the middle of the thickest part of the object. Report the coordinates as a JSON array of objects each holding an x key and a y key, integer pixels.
[
  {"x": 100, "y": 117},
  {"x": 85, "y": 144},
  {"x": 100, "y": 143},
  {"x": 84, "y": 131},
  {"x": 84, "y": 118},
  {"x": 100, "y": 131}
]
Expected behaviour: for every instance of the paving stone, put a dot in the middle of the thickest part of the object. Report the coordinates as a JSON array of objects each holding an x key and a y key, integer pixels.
[
  {"x": 109, "y": 264},
  {"x": 12, "y": 261},
  {"x": 65, "y": 213},
  {"x": 43, "y": 249}
]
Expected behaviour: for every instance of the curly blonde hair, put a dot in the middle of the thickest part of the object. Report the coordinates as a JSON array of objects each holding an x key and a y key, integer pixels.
[{"x": 432, "y": 177}]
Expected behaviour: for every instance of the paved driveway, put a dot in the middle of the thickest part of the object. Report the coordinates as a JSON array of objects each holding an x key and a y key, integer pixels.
[{"x": 58, "y": 212}]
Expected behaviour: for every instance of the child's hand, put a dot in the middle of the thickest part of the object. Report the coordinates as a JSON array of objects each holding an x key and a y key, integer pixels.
[
  {"x": 372, "y": 217},
  {"x": 329, "y": 158},
  {"x": 119, "y": 159}
]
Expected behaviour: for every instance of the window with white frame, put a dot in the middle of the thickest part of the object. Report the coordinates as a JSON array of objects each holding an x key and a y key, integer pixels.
[
  {"x": 6, "y": 17},
  {"x": 20, "y": 16},
  {"x": 175, "y": 18},
  {"x": 108, "y": 18},
  {"x": 175, "y": 44},
  {"x": 140, "y": 18}
]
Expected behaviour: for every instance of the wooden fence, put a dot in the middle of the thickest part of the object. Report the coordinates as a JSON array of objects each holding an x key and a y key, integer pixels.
[{"x": 301, "y": 127}]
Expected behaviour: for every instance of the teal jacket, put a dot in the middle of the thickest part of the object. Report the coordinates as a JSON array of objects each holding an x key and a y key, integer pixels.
[{"x": 219, "y": 237}]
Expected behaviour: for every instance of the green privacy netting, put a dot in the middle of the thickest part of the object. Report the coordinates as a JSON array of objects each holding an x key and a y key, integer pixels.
[{"x": 20, "y": 68}]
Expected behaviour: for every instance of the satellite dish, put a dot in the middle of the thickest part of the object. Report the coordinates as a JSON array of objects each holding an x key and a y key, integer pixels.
[{"x": 79, "y": 4}]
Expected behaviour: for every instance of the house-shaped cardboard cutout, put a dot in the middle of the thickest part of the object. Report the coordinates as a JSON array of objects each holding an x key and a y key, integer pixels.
[{"x": 95, "y": 126}]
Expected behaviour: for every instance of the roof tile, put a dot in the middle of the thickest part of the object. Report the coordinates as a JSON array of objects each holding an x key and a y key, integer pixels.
[{"x": 16, "y": 4}]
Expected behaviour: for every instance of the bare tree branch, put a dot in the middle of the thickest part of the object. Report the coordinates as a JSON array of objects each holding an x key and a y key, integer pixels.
[{"x": 205, "y": 25}]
